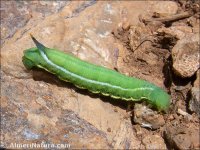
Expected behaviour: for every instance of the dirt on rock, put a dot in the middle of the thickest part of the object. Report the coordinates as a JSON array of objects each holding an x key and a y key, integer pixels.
[{"x": 157, "y": 41}]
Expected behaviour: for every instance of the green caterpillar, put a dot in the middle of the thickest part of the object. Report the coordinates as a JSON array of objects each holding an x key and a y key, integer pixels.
[{"x": 95, "y": 78}]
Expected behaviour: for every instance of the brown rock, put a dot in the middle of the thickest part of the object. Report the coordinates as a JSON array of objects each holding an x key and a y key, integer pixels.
[
  {"x": 154, "y": 142},
  {"x": 148, "y": 118},
  {"x": 182, "y": 135},
  {"x": 165, "y": 8},
  {"x": 37, "y": 108},
  {"x": 185, "y": 55},
  {"x": 146, "y": 60},
  {"x": 15, "y": 14},
  {"x": 63, "y": 130},
  {"x": 176, "y": 31}
]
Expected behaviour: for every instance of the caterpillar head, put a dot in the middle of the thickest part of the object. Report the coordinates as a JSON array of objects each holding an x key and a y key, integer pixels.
[
  {"x": 31, "y": 58},
  {"x": 160, "y": 99}
]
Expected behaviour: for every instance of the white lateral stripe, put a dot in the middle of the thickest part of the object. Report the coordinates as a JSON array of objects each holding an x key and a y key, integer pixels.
[{"x": 89, "y": 80}]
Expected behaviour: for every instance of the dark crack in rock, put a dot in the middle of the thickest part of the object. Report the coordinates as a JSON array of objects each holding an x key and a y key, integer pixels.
[{"x": 194, "y": 103}]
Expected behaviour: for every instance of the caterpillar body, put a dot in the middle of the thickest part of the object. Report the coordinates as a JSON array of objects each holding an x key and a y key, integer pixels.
[{"x": 95, "y": 78}]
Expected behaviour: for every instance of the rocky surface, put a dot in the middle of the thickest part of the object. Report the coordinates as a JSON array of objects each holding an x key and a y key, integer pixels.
[
  {"x": 194, "y": 103},
  {"x": 148, "y": 118},
  {"x": 166, "y": 8},
  {"x": 178, "y": 31},
  {"x": 36, "y": 107},
  {"x": 16, "y": 14},
  {"x": 154, "y": 142},
  {"x": 185, "y": 55},
  {"x": 182, "y": 135},
  {"x": 38, "y": 97}
]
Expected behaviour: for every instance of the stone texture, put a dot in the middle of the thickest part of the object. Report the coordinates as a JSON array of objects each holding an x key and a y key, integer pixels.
[
  {"x": 146, "y": 60},
  {"x": 148, "y": 118},
  {"x": 38, "y": 107},
  {"x": 182, "y": 135},
  {"x": 185, "y": 55},
  {"x": 194, "y": 103},
  {"x": 154, "y": 142},
  {"x": 165, "y": 8},
  {"x": 34, "y": 128},
  {"x": 16, "y": 14},
  {"x": 178, "y": 32}
]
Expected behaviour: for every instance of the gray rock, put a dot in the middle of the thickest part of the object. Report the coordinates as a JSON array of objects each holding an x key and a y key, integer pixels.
[
  {"x": 194, "y": 103},
  {"x": 185, "y": 55}
]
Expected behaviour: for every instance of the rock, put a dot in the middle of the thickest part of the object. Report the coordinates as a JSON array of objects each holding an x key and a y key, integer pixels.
[
  {"x": 154, "y": 142},
  {"x": 15, "y": 16},
  {"x": 185, "y": 55},
  {"x": 33, "y": 105},
  {"x": 181, "y": 135},
  {"x": 38, "y": 109},
  {"x": 175, "y": 31},
  {"x": 194, "y": 23},
  {"x": 147, "y": 118},
  {"x": 185, "y": 114},
  {"x": 165, "y": 8},
  {"x": 33, "y": 128},
  {"x": 194, "y": 103},
  {"x": 146, "y": 60}
]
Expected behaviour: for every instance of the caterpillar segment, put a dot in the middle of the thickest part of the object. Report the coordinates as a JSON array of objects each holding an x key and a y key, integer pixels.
[{"x": 96, "y": 79}]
